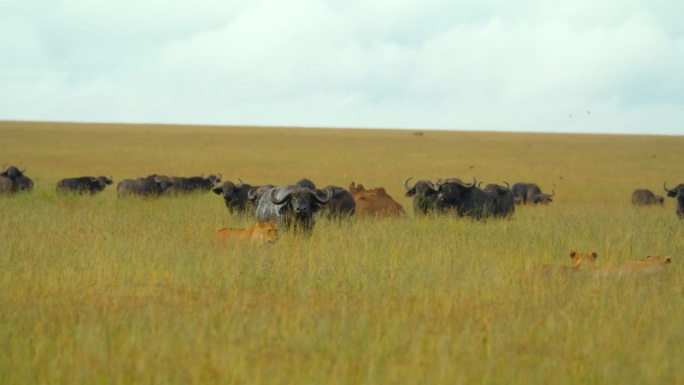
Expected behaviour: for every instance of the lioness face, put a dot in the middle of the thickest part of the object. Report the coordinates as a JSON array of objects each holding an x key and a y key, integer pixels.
[
  {"x": 582, "y": 257},
  {"x": 268, "y": 230}
]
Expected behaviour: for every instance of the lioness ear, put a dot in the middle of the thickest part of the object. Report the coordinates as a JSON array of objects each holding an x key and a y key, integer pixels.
[
  {"x": 668, "y": 260},
  {"x": 572, "y": 253},
  {"x": 594, "y": 255}
]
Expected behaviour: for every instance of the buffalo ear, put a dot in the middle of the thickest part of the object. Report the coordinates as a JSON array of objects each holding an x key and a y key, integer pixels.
[
  {"x": 411, "y": 192},
  {"x": 217, "y": 190},
  {"x": 672, "y": 193},
  {"x": 594, "y": 255}
]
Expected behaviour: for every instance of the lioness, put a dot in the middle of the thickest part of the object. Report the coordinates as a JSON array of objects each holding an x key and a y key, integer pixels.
[
  {"x": 650, "y": 264},
  {"x": 262, "y": 232},
  {"x": 583, "y": 257},
  {"x": 580, "y": 260}
]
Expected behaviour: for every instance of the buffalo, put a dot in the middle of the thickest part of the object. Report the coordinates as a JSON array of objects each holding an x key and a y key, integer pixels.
[
  {"x": 306, "y": 183},
  {"x": 466, "y": 200},
  {"x": 503, "y": 201},
  {"x": 424, "y": 195},
  {"x": 342, "y": 204},
  {"x": 292, "y": 207},
  {"x": 646, "y": 197},
  {"x": 374, "y": 202},
  {"x": 678, "y": 193},
  {"x": 82, "y": 185},
  {"x": 236, "y": 196},
  {"x": 530, "y": 192},
  {"x": 12, "y": 179},
  {"x": 195, "y": 183},
  {"x": 151, "y": 186}
]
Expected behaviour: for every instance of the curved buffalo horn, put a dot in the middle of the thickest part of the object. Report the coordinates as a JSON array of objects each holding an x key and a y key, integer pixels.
[
  {"x": 219, "y": 176},
  {"x": 467, "y": 186},
  {"x": 665, "y": 187},
  {"x": 240, "y": 185},
  {"x": 327, "y": 198},
  {"x": 251, "y": 194},
  {"x": 508, "y": 186},
  {"x": 406, "y": 183},
  {"x": 473, "y": 184},
  {"x": 23, "y": 169},
  {"x": 553, "y": 192},
  {"x": 285, "y": 199},
  {"x": 479, "y": 185}
]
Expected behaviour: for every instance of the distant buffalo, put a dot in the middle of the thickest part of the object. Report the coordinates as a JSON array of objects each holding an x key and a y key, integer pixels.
[
  {"x": 424, "y": 195},
  {"x": 83, "y": 185},
  {"x": 530, "y": 192},
  {"x": 677, "y": 193},
  {"x": 646, "y": 197},
  {"x": 191, "y": 184},
  {"x": 12, "y": 180},
  {"x": 151, "y": 186},
  {"x": 465, "y": 200},
  {"x": 503, "y": 201}
]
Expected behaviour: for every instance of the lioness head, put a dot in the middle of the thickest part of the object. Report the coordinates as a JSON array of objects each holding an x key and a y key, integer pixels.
[
  {"x": 268, "y": 230},
  {"x": 580, "y": 257}
]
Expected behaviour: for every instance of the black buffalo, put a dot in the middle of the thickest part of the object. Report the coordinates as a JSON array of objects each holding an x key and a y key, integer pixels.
[
  {"x": 292, "y": 207},
  {"x": 151, "y": 186},
  {"x": 12, "y": 179},
  {"x": 83, "y": 185},
  {"x": 306, "y": 183},
  {"x": 502, "y": 197},
  {"x": 341, "y": 205},
  {"x": 646, "y": 197},
  {"x": 191, "y": 184},
  {"x": 678, "y": 193},
  {"x": 465, "y": 200},
  {"x": 530, "y": 192},
  {"x": 236, "y": 196},
  {"x": 424, "y": 195}
]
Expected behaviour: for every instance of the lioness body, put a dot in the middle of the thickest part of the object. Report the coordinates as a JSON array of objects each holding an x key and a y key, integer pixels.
[
  {"x": 262, "y": 232},
  {"x": 648, "y": 265}
]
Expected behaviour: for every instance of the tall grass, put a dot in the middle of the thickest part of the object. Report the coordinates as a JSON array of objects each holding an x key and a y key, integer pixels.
[{"x": 106, "y": 290}]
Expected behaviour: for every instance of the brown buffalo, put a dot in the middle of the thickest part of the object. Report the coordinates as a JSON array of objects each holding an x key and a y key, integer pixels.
[
  {"x": 374, "y": 202},
  {"x": 646, "y": 197}
]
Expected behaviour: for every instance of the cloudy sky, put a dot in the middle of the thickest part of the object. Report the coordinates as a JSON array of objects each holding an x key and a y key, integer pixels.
[{"x": 613, "y": 66}]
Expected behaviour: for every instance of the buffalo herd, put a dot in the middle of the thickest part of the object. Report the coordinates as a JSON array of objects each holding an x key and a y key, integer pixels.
[{"x": 296, "y": 206}]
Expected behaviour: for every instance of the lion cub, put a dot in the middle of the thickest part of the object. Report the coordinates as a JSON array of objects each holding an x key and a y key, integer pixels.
[{"x": 262, "y": 232}]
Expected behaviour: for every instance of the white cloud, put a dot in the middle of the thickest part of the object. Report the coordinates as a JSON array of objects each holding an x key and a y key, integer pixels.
[{"x": 436, "y": 64}]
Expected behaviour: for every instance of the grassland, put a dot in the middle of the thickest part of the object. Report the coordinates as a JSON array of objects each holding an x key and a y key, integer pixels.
[{"x": 106, "y": 290}]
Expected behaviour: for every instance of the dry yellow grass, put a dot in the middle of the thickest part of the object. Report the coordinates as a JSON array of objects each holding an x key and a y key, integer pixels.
[{"x": 106, "y": 290}]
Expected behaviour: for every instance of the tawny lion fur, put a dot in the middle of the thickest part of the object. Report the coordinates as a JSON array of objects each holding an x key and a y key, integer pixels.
[{"x": 262, "y": 232}]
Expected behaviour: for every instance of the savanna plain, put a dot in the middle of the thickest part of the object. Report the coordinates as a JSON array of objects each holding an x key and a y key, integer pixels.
[{"x": 100, "y": 289}]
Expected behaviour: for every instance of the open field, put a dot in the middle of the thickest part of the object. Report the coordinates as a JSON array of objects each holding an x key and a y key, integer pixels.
[{"x": 106, "y": 290}]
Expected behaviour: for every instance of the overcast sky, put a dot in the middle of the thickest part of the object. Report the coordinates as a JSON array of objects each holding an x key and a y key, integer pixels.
[{"x": 612, "y": 66}]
